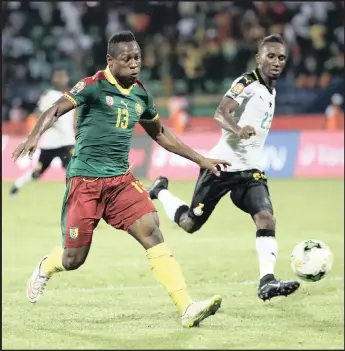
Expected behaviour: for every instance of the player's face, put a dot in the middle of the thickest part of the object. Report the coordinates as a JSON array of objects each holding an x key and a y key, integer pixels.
[
  {"x": 271, "y": 60},
  {"x": 126, "y": 64},
  {"x": 60, "y": 80}
]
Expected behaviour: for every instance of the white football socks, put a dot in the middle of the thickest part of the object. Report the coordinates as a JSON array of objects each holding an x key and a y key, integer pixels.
[
  {"x": 266, "y": 247},
  {"x": 23, "y": 179},
  {"x": 170, "y": 202}
]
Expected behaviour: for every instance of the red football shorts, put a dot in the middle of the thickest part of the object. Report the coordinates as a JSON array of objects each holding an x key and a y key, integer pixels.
[{"x": 119, "y": 200}]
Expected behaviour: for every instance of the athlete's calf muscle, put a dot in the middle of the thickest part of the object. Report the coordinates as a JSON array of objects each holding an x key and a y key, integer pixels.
[
  {"x": 146, "y": 230},
  {"x": 265, "y": 220}
]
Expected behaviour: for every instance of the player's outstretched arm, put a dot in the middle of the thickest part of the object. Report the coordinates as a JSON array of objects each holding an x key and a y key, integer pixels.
[
  {"x": 75, "y": 121},
  {"x": 223, "y": 116},
  {"x": 169, "y": 141},
  {"x": 44, "y": 122}
]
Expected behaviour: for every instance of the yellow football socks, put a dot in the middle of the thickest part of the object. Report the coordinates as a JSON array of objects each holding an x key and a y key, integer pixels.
[
  {"x": 168, "y": 272},
  {"x": 53, "y": 263}
]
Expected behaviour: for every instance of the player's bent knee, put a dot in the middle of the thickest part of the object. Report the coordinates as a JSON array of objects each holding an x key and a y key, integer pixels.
[
  {"x": 265, "y": 220},
  {"x": 153, "y": 231},
  {"x": 36, "y": 174},
  {"x": 155, "y": 218},
  {"x": 71, "y": 263},
  {"x": 190, "y": 229},
  {"x": 73, "y": 258},
  {"x": 188, "y": 224},
  {"x": 157, "y": 236},
  {"x": 146, "y": 230}
]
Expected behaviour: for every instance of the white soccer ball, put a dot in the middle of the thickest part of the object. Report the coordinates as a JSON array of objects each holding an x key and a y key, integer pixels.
[{"x": 311, "y": 260}]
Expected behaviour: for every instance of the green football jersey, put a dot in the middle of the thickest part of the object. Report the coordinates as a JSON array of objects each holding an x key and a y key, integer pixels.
[{"x": 107, "y": 114}]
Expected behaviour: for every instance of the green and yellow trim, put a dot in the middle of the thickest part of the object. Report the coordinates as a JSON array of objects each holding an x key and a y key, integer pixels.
[
  {"x": 111, "y": 79},
  {"x": 155, "y": 118},
  {"x": 69, "y": 97},
  {"x": 256, "y": 75}
]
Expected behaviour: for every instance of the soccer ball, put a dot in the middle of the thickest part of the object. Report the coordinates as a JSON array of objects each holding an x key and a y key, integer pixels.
[{"x": 311, "y": 260}]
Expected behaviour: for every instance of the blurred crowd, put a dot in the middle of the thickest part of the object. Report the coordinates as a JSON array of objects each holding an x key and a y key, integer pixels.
[{"x": 187, "y": 46}]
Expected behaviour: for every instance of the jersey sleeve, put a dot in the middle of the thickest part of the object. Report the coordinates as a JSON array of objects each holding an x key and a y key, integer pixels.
[
  {"x": 150, "y": 113},
  {"x": 241, "y": 89},
  {"x": 81, "y": 93}
]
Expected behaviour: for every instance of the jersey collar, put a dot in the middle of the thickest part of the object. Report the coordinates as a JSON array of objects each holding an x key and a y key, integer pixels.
[
  {"x": 111, "y": 79},
  {"x": 259, "y": 78}
]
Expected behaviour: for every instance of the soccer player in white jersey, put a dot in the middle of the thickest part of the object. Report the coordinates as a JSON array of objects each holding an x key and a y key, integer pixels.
[
  {"x": 57, "y": 141},
  {"x": 245, "y": 115}
]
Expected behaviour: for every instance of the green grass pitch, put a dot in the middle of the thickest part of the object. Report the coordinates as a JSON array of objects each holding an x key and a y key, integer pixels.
[{"x": 113, "y": 301}]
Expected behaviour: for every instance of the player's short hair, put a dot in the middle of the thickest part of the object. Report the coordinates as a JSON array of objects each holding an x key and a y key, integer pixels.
[
  {"x": 274, "y": 38},
  {"x": 125, "y": 36},
  {"x": 57, "y": 67}
]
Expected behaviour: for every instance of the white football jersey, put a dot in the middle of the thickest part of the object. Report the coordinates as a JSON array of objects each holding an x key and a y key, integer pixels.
[
  {"x": 62, "y": 132},
  {"x": 255, "y": 108}
]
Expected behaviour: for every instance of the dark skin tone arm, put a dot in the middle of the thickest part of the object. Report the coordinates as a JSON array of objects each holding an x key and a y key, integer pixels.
[
  {"x": 224, "y": 119},
  {"x": 154, "y": 129},
  {"x": 44, "y": 122},
  {"x": 37, "y": 112},
  {"x": 75, "y": 121},
  {"x": 125, "y": 66},
  {"x": 169, "y": 141}
]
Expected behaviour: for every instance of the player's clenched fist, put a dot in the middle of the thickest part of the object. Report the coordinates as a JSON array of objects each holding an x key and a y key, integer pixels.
[
  {"x": 246, "y": 132},
  {"x": 211, "y": 164},
  {"x": 28, "y": 146}
]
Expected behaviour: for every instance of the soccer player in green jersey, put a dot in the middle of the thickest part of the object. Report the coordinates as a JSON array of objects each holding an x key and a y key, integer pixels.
[{"x": 99, "y": 182}]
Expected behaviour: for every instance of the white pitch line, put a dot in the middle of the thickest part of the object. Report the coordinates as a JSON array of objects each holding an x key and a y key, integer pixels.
[
  {"x": 154, "y": 287},
  {"x": 146, "y": 287}
]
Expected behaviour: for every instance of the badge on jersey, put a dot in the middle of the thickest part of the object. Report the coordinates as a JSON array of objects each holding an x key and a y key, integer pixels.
[
  {"x": 247, "y": 80},
  {"x": 74, "y": 233},
  {"x": 78, "y": 87},
  {"x": 109, "y": 100},
  {"x": 138, "y": 109},
  {"x": 237, "y": 89}
]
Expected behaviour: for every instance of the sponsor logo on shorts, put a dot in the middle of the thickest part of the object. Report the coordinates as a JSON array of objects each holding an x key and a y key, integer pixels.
[
  {"x": 138, "y": 109},
  {"x": 78, "y": 87},
  {"x": 198, "y": 210},
  {"x": 258, "y": 176},
  {"x": 109, "y": 100},
  {"x": 237, "y": 89},
  {"x": 74, "y": 233}
]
